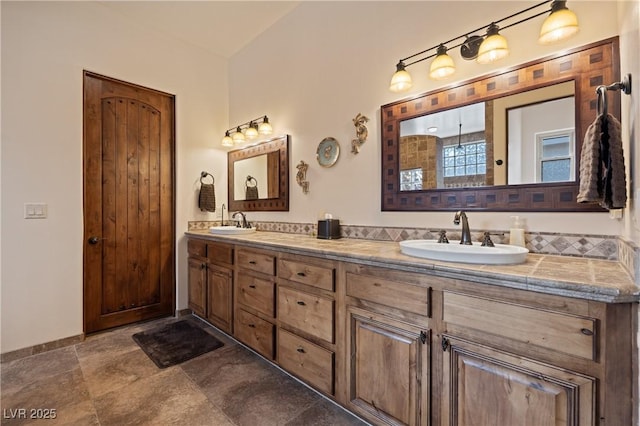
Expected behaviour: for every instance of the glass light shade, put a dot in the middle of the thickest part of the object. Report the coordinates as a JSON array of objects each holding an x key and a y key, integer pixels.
[
  {"x": 251, "y": 132},
  {"x": 238, "y": 137},
  {"x": 265, "y": 128},
  {"x": 442, "y": 66},
  {"x": 493, "y": 48},
  {"x": 559, "y": 25},
  {"x": 227, "y": 141},
  {"x": 400, "y": 81}
]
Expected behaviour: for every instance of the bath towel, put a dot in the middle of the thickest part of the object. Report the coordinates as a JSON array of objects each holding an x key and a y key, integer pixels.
[
  {"x": 207, "y": 198},
  {"x": 602, "y": 173}
]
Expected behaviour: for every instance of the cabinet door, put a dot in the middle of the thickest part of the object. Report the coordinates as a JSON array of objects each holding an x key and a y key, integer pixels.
[
  {"x": 220, "y": 290},
  {"x": 389, "y": 369},
  {"x": 198, "y": 286},
  {"x": 484, "y": 386}
]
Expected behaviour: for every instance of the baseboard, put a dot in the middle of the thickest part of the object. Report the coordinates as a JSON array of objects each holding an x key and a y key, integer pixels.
[
  {"x": 183, "y": 312},
  {"x": 43, "y": 347}
]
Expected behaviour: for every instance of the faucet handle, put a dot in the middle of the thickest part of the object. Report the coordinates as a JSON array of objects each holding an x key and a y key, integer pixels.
[
  {"x": 486, "y": 239},
  {"x": 443, "y": 237}
]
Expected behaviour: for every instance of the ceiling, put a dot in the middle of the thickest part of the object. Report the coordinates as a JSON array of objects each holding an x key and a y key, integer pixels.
[{"x": 220, "y": 27}]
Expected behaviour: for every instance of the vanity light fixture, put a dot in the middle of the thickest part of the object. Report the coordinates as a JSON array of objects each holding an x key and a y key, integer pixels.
[
  {"x": 227, "y": 141},
  {"x": 265, "y": 128},
  {"x": 238, "y": 136},
  {"x": 561, "y": 23},
  {"x": 442, "y": 65},
  {"x": 247, "y": 131},
  {"x": 252, "y": 131}
]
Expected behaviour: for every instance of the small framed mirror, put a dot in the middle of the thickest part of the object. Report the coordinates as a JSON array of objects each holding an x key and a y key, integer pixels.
[{"x": 258, "y": 176}]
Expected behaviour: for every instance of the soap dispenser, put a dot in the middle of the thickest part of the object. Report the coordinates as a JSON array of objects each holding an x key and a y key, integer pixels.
[{"x": 516, "y": 232}]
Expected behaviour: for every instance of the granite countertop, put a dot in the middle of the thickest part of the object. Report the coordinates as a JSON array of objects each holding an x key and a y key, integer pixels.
[{"x": 591, "y": 279}]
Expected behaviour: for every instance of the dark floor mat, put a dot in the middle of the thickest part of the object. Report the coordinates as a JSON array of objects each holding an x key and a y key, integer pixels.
[{"x": 176, "y": 342}]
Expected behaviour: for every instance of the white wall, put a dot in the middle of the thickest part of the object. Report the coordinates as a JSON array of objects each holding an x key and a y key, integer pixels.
[
  {"x": 45, "y": 48},
  {"x": 311, "y": 73},
  {"x": 325, "y": 62}
]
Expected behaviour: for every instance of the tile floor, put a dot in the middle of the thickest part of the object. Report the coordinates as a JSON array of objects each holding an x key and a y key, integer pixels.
[{"x": 108, "y": 380}]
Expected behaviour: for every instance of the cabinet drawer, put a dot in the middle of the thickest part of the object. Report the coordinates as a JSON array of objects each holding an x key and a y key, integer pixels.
[
  {"x": 197, "y": 248},
  {"x": 560, "y": 332},
  {"x": 306, "y": 360},
  {"x": 399, "y": 295},
  {"x": 255, "y": 261},
  {"x": 220, "y": 253},
  {"x": 256, "y": 293},
  {"x": 255, "y": 332},
  {"x": 307, "y": 312},
  {"x": 318, "y": 276}
]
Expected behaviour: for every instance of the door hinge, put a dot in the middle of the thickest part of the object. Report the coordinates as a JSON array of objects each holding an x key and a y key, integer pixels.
[
  {"x": 445, "y": 344},
  {"x": 423, "y": 337}
]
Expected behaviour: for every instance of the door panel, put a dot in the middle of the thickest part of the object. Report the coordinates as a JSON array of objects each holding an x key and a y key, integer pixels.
[
  {"x": 128, "y": 186},
  {"x": 489, "y": 387}
]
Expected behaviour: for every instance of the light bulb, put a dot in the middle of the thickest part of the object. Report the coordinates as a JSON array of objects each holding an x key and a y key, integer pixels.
[
  {"x": 238, "y": 137},
  {"x": 227, "y": 141},
  {"x": 252, "y": 131},
  {"x": 442, "y": 66},
  {"x": 493, "y": 48},
  {"x": 265, "y": 128},
  {"x": 401, "y": 80},
  {"x": 559, "y": 25}
]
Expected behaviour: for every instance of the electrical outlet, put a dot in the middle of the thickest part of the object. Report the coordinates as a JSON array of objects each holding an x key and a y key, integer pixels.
[{"x": 35, "y": 210}]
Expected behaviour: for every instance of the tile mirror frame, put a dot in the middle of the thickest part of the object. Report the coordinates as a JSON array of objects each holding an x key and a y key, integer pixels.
[
  {"x": 277, "y": 148},
  {"x": 588, "y": 66}
]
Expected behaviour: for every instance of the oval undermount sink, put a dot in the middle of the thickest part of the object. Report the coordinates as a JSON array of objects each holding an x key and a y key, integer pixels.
[
  {"x": 501, "y": 254},
  {"x": 231, "y": 230}
]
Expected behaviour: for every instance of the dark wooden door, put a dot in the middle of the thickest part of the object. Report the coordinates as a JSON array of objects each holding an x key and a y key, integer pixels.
[{"x": 129, "y": 231}]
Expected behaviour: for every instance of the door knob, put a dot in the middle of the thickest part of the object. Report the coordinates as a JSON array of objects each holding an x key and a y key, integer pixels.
[{"x": 94, "y": 240}]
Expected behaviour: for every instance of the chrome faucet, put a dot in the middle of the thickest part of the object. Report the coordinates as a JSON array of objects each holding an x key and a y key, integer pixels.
[
  {"x": 466, "y": 233},
  {"x": 244, "y": 222},
  {"x": 222, "y": 215}
]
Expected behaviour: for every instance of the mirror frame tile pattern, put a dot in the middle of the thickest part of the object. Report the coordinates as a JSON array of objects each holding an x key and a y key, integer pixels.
[
  {"x": 281, "y": 202},
  {"x": 589, "y": 66}
]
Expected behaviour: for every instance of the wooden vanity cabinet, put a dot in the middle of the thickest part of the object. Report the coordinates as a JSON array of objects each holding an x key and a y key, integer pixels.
[
  {"x": 197, "y": 276},
  {"x": 306, "y": 336},
  {"x": 211, "y": 282},
  {"x": 388, "y": 345},
  {"x": 254, "y": 323},
  {"x": 533, "y": 359},
  {"x": 400, "y": 347}
]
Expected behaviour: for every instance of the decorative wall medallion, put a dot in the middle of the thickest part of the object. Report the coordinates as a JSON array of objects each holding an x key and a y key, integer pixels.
[
  {"x": 328, "y": 152},
  {"x": 361, "y": 132}
]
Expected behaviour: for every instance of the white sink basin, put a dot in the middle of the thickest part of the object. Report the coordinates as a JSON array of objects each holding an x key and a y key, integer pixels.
[
  {"x": 231, "y": 230},
  {"x": 501, "y": 254}
]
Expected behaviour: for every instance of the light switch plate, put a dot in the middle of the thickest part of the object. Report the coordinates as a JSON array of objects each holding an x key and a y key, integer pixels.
[{"x": 35, "y": 210}]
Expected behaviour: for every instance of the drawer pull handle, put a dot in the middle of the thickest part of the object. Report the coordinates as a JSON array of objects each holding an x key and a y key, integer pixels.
[
  {"x": 301, "y": 350},
  {"x": 252, "y": 262},
  {"x": 202, "y": 266},
  {"x": 587, "y": 332},
  {"x": 302, "y": 274},
  {"x": 252, "y": 286},
  {"x": 252, "y": 325},
  {"x": 301, "y": 303}
]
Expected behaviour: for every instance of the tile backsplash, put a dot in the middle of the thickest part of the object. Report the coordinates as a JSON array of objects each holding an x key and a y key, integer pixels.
[{"x": 605, "y": 247}]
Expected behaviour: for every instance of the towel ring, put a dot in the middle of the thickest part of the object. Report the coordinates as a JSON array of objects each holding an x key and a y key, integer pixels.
[
  {"x": 624, "y": 86},
  {"x": 251, "y": 181},
  {"x": 601, "y": 102},
  {"x": 204, "y": 175}
]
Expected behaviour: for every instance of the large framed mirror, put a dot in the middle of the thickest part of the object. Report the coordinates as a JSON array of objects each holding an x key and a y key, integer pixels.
[
  {"x": 258, "y": 176},
  {"x": 508, "y": 141}
]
